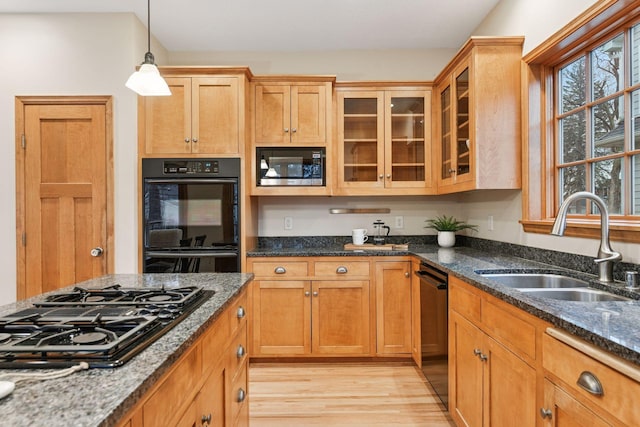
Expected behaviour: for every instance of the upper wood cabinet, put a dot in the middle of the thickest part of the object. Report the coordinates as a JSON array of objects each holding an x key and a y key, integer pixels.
[
  {"x": 292, "y": 112},
  {"x": 205, "y": 114},
  {"x": 477, "y": 117},
  {"x": 383, "y": 141}
]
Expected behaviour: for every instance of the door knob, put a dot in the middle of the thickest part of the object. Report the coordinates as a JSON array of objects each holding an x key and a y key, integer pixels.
[{"x": 97, "y": 251}]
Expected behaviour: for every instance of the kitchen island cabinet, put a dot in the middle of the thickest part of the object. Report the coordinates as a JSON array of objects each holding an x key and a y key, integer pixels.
[
  {"x": 208, "y": 385},
  {"x": 117, "y": 396}
]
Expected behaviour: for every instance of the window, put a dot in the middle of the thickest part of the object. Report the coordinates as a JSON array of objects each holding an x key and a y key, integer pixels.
[{"x": 587, "y": 137}]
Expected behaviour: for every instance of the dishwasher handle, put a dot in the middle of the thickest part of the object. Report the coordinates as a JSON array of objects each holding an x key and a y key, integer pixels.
[{"x": 432, "y": 280}]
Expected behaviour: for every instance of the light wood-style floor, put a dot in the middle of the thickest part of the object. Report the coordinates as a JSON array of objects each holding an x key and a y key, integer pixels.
[{"x": 342, "y": 394}]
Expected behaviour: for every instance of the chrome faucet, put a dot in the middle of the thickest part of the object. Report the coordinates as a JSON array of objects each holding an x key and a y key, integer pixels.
[{"x": 606, "y": 255}]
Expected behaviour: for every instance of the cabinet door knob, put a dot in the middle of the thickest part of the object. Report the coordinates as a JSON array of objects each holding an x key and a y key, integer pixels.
[
  {"x": 294, "y": 130},
  {"x": 240, "y": 313},
  {"x": 406, "y": 274},
  {"x": 483, "y": 357},
  {"x": 315, "y": 293},
  {"x": 342, "y": 270},
  {"x": 206, "y": 419},
  {"x": 280, "y": 270},
  {"x": 381, "y": 176},
  {"x": 195, "y": 139},
  {"x": 477, "y": 352},
  {"x": 187, "y": 140},
  {"x": 307, "y": 293},
  {"x": 286, "y": 130},
  {"x": 241, "y": 395},
  {"x": 546, "y": 413},
  {"x": 388, "y": 176},
  {"x": 240, "y": 352},
  {"x": 590, "y": 383}
]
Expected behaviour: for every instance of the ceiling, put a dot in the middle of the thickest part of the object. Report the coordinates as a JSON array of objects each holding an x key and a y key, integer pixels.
[{"x": 289, "y": 25}]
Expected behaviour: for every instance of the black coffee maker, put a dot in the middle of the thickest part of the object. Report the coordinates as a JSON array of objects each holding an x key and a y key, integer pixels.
[{"x": 380, "y": 235}]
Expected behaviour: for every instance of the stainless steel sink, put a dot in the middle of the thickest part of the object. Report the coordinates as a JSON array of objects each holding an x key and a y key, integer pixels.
[
  {"x": 575, "y": 294},
  {"x": 536, "y": 280}
]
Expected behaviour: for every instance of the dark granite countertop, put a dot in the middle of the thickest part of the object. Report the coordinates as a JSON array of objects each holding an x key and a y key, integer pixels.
[
  {"x": 101, "y": 397},
  {"x": 610, "y": 325}
]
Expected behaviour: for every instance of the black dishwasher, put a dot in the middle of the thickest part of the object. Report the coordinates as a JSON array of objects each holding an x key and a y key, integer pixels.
[{"x": 434, "y": 328}]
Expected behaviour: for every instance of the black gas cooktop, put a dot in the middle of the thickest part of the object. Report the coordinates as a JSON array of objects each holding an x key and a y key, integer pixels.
[{"x": 102, "y": 327}]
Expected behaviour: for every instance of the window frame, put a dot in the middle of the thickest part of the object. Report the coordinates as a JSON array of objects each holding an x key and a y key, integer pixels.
[{"x": 596, "y": 25}]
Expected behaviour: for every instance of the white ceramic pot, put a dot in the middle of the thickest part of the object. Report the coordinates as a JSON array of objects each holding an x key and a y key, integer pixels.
[{"x": 446, "y": 239}]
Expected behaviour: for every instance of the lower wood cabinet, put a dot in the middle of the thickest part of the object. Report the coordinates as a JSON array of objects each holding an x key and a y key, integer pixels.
[
  {"x": 208, "y": 385},
  {"x": 393, "y": 307},
  {"x": 304, "y": 317},
  {"x": 490, "y": 384},
  {"x": 585, "y": 385},
  {"x": 324, "y": 306}
]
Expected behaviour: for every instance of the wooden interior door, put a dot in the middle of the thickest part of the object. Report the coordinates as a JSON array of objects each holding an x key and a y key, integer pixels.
[{"x": 64, "y": 218}]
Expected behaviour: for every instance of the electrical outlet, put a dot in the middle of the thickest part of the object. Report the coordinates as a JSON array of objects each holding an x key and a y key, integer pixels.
[
  {"x": 399, "y": 222},
  {"x": 288, "y": 223},
  {"x": 490, "y": 223}
]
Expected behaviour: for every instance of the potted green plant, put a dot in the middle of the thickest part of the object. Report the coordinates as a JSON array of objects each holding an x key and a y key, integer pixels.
[{"x": 447, "y": 226}]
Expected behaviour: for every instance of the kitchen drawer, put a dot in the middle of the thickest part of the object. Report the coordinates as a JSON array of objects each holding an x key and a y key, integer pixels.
[
  {"x": 178, "y": 388},
  {"x": 620, "y": 397},
  {"x": 214, "y": 341},
  {"x": 464, "y": 300},
  {"x": 341, "y": 268},
  {"x": 238, "y": 313},
  {"x": 277, "y": 269},
  {"x": 237, "y": 352},
  {"x": 513, "y": 331},
  {"x": 239, "y": 397}
]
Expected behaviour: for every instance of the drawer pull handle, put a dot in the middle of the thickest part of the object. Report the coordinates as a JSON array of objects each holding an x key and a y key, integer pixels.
[
  {"x": 342, "y": 270},
  {"x": 240, "y": 352},
  {"x": 241, "y": 313},
  {"x": 280, "y": 270},
  {"x": 241, "y": 395},
  {"x": 546, "y": 413},
  {"x": 590, "y": 383}
]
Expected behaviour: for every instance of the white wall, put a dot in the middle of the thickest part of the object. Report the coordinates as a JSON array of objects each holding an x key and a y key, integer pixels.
[
  {"x": 71, "y": 54},
  {"x": 349, "y": 65}
]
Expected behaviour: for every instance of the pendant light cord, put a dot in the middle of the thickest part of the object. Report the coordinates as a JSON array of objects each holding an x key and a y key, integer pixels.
[{"x": 148, "y": 25}]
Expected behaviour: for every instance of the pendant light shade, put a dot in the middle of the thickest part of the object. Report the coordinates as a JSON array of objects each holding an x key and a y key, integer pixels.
[{"x": 147, "y": 81}]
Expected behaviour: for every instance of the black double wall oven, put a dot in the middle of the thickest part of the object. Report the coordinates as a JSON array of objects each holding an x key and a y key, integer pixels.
[{"x": 191, "y": 210}]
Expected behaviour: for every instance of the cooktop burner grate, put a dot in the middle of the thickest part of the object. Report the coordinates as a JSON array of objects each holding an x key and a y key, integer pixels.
[{"x": 69, "y": 328}]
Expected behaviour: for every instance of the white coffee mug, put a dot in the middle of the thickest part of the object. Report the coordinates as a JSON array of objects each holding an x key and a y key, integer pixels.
[{"x": 359, "y": 236}]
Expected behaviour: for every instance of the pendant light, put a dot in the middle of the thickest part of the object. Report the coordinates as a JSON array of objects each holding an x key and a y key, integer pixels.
[{"x": 147, "y": 81}]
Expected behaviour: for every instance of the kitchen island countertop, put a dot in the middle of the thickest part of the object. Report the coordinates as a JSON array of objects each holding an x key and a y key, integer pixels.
[
  {"x": 610, "y": 325},
  {"x": 101, "y": 397}
]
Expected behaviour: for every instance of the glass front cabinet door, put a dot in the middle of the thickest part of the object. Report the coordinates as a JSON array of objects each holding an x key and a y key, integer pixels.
[
  {"x": 384, "y": 142},
  {"x": 454, "y": 129}
]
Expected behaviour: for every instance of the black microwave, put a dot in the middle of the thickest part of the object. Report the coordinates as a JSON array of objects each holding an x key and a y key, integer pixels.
[{"x": 291, "y": 166}]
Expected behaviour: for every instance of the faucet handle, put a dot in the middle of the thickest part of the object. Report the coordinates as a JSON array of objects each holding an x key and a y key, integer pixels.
[{"x": 613, "y": 256}]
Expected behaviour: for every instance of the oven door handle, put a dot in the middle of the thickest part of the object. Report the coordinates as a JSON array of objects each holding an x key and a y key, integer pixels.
[
  {"x": 189, "y": 180},
  {"x": 431, "y": 280},
  {"x": 165, "y": 254}
]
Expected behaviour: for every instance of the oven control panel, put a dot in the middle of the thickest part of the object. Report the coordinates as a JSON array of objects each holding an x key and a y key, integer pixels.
[{"x": 171, "y": 167}]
